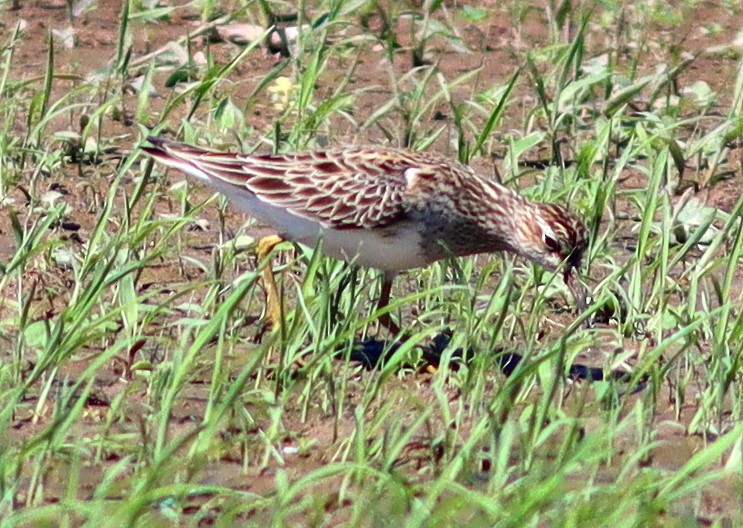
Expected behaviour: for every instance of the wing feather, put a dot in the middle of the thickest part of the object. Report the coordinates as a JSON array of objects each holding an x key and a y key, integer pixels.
[{"x": 342, "y": 189}]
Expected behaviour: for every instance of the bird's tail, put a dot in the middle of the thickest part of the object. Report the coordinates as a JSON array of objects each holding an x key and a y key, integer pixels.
[{"x": 203, "y": 164}]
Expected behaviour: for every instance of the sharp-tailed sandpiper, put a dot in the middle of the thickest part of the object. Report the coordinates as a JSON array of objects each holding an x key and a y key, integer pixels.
[{"x": 385, "y": 208}]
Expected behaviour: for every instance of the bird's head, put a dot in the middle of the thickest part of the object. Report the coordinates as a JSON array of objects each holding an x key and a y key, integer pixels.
[{"x": 552, "y": 236}]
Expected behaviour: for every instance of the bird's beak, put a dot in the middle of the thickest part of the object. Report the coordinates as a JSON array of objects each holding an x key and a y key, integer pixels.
[{"x": 576, "y": 287}]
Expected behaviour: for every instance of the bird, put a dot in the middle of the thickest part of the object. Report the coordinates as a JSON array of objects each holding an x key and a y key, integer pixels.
[{"x": 387, "y": 208}]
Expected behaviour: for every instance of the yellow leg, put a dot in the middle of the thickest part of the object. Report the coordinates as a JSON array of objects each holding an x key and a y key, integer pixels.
[{"x": 273, "y": 301}]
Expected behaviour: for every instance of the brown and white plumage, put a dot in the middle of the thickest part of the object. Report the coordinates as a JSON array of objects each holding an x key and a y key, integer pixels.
[{"x": 391, "y": 209}]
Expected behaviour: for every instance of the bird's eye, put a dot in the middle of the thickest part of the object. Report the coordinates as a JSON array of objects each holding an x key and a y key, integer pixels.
[{"x": 551, "y": 243}]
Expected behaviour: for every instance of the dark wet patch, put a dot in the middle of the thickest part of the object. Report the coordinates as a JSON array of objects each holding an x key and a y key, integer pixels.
[{"x": 376, "y": 353}]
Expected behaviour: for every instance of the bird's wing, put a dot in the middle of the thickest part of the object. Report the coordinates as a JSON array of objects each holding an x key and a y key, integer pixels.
[{"x": 342, "y": 189}]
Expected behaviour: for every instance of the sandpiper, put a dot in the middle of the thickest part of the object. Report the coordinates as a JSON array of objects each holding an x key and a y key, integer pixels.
[{"x": 385, "y": 208}]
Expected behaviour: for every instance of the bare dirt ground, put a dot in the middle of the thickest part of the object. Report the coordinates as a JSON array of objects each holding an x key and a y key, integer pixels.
[{"x": 95, "y": 48}]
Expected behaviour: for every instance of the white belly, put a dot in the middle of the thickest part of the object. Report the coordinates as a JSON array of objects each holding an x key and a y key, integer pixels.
[{"x": 374, "y": 248}]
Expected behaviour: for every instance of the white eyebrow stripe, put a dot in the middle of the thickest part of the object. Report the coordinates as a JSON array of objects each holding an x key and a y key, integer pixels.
[{"x": 546, "y": 228}]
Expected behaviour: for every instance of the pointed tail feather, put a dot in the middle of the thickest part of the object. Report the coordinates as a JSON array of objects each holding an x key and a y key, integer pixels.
[
  {"x": 212, "y": 166},
  {"x": 158, "y": 147},
  {"x": 176, "y": 155}
]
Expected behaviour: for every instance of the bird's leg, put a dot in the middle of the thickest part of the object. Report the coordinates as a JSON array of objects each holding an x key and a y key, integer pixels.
[
  {"x": 273, "y": 301},
  {"x": 384, "y": 299}
]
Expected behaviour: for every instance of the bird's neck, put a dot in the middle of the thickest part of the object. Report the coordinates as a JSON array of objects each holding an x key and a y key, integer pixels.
[{"x": 509, "y": 216}]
